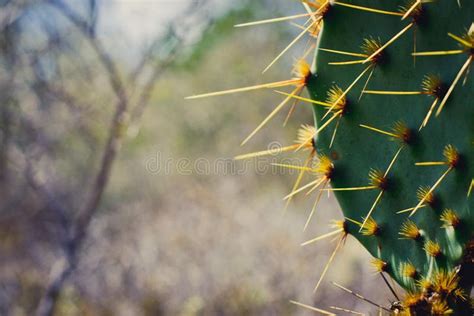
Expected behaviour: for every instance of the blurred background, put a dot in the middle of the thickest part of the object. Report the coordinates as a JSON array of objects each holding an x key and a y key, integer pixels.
[{"x": 118, "y": 197}]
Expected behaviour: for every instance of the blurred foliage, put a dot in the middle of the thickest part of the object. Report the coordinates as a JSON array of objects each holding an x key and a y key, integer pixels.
[
  {"x": 219, "y": 30},
  {"x": 164, "y": 242}
]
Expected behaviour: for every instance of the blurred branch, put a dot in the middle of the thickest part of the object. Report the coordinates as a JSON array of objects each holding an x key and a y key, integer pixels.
[
  {"x": 48, "y": 301},
  {"x": 65, "y": 266},
  {"x": 177, "y": 43}
]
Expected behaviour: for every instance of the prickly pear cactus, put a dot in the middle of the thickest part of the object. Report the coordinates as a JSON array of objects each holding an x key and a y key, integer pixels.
[
  {"x": 393, "y": 100},
  {"x": 403, "y": 151}
]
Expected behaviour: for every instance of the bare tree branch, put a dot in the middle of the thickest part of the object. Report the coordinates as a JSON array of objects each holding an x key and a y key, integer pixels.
[
  {"x": 121, "y": 119},
  {"x": 47, "y": 304}
]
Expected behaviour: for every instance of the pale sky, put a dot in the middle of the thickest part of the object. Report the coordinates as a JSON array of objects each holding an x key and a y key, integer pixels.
[{"x": 134, "y": 23}]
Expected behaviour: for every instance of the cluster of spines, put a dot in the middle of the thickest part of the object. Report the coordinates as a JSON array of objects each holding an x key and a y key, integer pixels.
[{"x": 336, "y": 105}]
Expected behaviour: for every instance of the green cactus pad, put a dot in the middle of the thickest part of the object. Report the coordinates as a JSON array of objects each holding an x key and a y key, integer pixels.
[{"x": 446, "y": 218}]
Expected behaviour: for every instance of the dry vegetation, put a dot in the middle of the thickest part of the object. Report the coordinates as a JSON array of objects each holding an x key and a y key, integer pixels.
[{"x": 158, "y": 243}]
